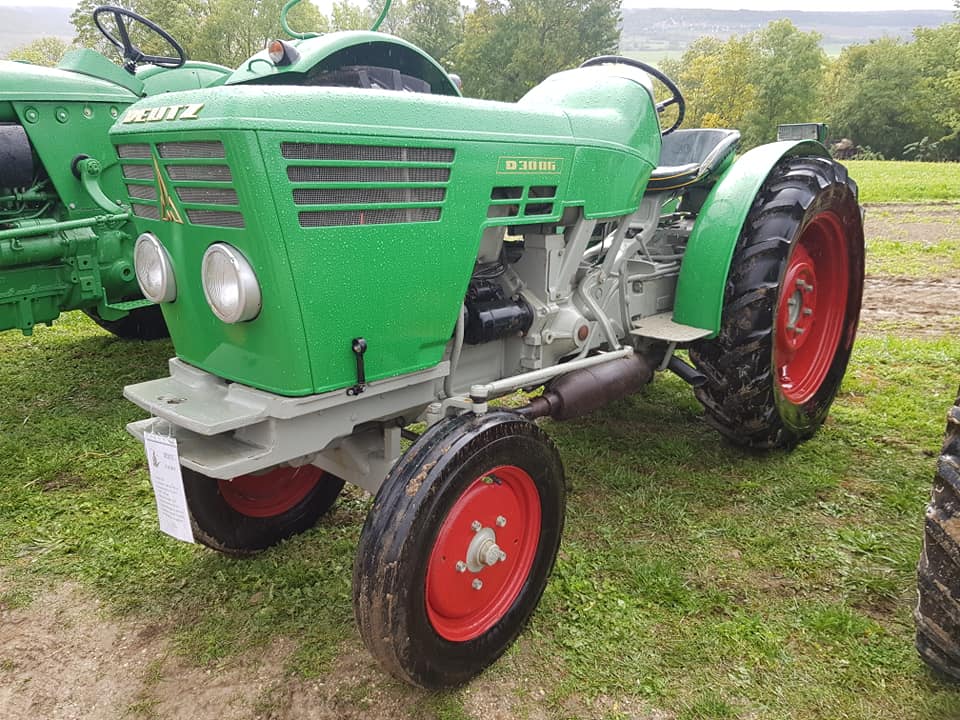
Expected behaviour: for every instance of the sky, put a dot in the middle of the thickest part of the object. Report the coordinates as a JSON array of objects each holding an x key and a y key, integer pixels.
[{"x": 851, "y": 5}]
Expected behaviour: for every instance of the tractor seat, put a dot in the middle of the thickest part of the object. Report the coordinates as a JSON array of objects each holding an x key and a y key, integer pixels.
[{"x": 691, "y": 157}]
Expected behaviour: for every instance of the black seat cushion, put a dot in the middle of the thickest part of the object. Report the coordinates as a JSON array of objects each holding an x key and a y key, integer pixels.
[{"x": 689, "y": 157}]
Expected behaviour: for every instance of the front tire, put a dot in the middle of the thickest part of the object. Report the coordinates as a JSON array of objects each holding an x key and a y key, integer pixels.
[
  {"x": 791, "y": 308},
  {"x": 250, "y": 513},
  {"x": 937, "y": 614},
  {"x": 144, "y": 323},
  {"x": 457, "y": 548}
]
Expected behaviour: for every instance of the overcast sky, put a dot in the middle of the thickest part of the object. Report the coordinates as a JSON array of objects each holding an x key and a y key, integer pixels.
[{"x": 715, "y": 4}]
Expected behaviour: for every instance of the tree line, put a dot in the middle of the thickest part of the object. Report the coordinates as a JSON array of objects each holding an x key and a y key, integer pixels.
[{"x": 888, "y": 97}]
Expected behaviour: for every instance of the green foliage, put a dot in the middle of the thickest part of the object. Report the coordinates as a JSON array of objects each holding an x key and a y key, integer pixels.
[
  {"x": 43, "y": 51},
  {"x": 786, "y": 70},
  {"x": 436, "y": 26},
  {"x": 874, "y": 94},
  {"x": 508, "y": 47},
  {"x": 221, "y": 31},
  {"x": 753, "y": 83}
]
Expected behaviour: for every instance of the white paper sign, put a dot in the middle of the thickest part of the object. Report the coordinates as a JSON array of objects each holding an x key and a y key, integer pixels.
[{"x": 164, "y": 463}]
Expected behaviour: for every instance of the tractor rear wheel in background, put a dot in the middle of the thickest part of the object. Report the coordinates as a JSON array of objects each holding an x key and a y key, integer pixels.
[
  {"x": 938, "y": 573},
  {"x": 791, "y": 308},
  {"x": 250, "y": 513},
  {"x": 457, "y": 548},
  {"x": 145, "y": 323}
]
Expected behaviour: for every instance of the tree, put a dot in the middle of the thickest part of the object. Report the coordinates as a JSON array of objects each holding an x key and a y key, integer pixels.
[
  {"x": 42, "y": 51},
  {"x": 509, "y": 46},
  {"x": 876, "y": 97},
  {"x": 938, "y": 50},
  {"x": 713, "y": 82},
  {"x": 221, "y": 31},
  {"x": 435, "y": 26},
  {"x": 786, "y": 70}
]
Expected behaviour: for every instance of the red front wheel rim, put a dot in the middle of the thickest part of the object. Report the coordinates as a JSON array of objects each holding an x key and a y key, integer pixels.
[
  {"x": 272, "y": 493},
  {"x": 811, "y": 308},
  {"x": 483, "y": 553}
]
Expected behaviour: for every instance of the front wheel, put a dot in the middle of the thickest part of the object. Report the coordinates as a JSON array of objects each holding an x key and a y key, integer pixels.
[
  {"x": 250, "y": 513},
  {"x": 791, "y": 308},
  {"x": 457, "y": 548},
  {"x": 144, "y": 323}
]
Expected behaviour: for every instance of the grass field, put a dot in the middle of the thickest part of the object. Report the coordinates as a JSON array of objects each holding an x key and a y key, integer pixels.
[
  {"x": 895, "y": 181},
  {"x": 695, "y": 580}
]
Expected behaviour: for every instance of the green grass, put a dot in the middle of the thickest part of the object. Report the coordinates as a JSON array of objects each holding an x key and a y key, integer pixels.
[
  {"x": 895, "y": 181},
  {"x": 694, "y": 578}
]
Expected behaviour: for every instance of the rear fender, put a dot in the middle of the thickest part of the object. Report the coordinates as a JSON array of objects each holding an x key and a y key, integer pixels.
[{"x": 706, "y": 262}]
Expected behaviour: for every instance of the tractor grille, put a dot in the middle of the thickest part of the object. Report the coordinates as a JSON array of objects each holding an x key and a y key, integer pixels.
[
  {"x": 203, "y": 189},
  {"x": 342, "y": 185}
]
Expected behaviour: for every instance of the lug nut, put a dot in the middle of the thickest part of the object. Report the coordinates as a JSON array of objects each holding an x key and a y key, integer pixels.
[
  {"x": 476, "y": 526},
  {"x": 461, "y": 566},
  {"x": 477, "y": 583},
  {"x": 808, "y": 311},
  {"x": 501, "y": 521}
]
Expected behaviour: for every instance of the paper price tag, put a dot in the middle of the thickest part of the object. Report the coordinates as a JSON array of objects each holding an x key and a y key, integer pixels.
[{"x": 163, "y": 461}]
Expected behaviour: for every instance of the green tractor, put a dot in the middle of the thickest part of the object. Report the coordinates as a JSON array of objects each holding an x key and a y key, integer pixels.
[
  {"x": 66, "y": 240},
  {"x": 937, "y": 613},
  {"x": 343, "y": 246}
]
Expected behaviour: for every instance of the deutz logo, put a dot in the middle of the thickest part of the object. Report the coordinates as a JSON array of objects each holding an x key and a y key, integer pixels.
[
  {"x": 164, "y": 112},
  {"x": 168, "y": 211},
  {"x": 529, "y": 165}
]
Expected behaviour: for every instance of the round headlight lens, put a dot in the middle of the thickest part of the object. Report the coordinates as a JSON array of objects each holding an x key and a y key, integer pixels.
[
  {"x": 229, "y": 284},
  {"x": 154, "y": 269}
]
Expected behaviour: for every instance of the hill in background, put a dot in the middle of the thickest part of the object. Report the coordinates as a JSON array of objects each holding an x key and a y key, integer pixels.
[
  {"x": 647, "y": 33},
  {"x": 654, "y": 33},
  {"x": 24, "y": 24}
]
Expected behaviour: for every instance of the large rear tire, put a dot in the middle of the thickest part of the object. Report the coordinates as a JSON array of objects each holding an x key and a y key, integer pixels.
[
  {"x": 457, "y": 548},
  {"x": 145, "y": 323},
  {"x": 250, "y": 513},
  {"x": 791, "y": 308},
  {"x": 938, "y": 573}
]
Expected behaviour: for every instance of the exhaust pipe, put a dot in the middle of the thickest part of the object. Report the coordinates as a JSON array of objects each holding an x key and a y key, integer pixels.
[
  {"x": 685, "y": 372},
  {"x": 583, "y": 391}
]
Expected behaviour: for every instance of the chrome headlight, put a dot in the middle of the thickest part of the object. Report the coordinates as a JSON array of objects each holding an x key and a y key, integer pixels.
[
  {"x": 229, "y": 284},
  {"x": 154, "y": 269}
]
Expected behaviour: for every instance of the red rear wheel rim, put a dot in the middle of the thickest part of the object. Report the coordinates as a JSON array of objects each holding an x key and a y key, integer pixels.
[
  {"x": 272, "y": 493},
  {"x": 465, "y": 595},
  {"x": 811, "y": 308}
]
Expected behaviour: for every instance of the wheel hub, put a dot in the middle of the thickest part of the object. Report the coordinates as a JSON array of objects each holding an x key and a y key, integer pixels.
[
  {"x": 472, "y": 579},
  {"x": 484, "y": 551},
  {"x": 811, "y": 308}
]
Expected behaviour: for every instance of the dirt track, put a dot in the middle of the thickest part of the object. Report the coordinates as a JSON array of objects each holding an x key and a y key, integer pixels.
[{"x": 61, "y": 658}]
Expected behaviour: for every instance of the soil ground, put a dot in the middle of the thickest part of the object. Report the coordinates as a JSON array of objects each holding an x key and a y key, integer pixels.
[
  {"x": 62, "y": 657},
  {"x": 912, "y": 306}
]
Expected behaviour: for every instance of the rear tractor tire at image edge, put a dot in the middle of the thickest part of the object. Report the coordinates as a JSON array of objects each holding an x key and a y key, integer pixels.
[
  {"x": 937, "y": 613},
  {"x": 791, "y": 308}
]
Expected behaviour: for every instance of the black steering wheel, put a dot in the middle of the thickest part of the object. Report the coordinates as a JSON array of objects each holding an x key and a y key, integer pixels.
[
  {"x": 132, "y": 55},
  {"x": 676, "y": 98}
]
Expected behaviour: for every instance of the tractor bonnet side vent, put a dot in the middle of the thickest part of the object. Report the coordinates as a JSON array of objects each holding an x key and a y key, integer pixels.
[
  {"x": 343, "y": 185},
  {"x": 139, "y": 151},
  {"x": 200, "y": 180},
  {"x": 149, "y": 212},
  {"x": 191, "y": 150},
  {"x": 335, "y": 218},
  {"x": 370, "y": 153}
]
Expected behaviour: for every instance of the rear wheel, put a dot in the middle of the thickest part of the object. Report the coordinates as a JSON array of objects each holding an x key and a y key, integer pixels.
[
  {"x": 249, "y": 513},
  {"x": 938, "y": 573},
  {"x": 145, "y": 323},
  {"x": 791, "y": 309},
  {"x": 458, "y": 546}
]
